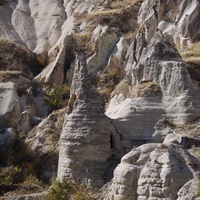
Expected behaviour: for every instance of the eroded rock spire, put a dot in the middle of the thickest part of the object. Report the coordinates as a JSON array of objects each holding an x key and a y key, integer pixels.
[{"x": 85, "y": 139}]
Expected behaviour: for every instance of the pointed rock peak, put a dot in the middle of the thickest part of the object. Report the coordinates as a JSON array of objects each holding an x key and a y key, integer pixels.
[
  {"x": 81, "y": 88},
  {"x": 163, "y": 49},
  {"x": 80, "y": 72},
  {"x": 81, "y": 64},
  {"x": 85, "y": 142}
]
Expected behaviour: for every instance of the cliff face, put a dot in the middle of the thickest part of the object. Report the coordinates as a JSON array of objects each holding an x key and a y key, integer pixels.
[
  {"x": 133, "y": 55},
  {"x": 153, "y": 58}
]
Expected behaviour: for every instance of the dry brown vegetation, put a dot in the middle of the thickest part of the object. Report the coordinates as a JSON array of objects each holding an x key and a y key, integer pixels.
[
  {"x": 7, "y": 75},
  {"x": 82, "y": 42},
  {"x": 48, "y": 157},
  {"x": 124, "y": 19},
  {"x": 191, "y": 54},
  {"x": 16, "y": 58},
  {"x": 18, "y": 169},
  {"x": 145, "y": 89},
  {"x": 106, "y": 80},
  {"x": 122, "y": 88}
]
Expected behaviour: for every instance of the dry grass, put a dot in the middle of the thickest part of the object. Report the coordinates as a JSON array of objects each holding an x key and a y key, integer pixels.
[
  {"x": 106, "y": 80},
  {"x": 122, "y": 15},
  {"x": 191, "y": 129},
  {"x": 82, "y": 42},
  {"x": 17, "y": 58},
  {"x": 121, "y": 3},
  {"x": 119, "y": 14},
  {"x": 145, "y": 89},
  {"x": 5, "y": 76},
  {"x": 195, "y": 151},
  {"x": 192, "y": 54},
  {"x": 122, "y": 88}
]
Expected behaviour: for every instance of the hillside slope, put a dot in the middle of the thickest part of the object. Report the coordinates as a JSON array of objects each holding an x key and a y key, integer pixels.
[{"x": 88, "y": 83}]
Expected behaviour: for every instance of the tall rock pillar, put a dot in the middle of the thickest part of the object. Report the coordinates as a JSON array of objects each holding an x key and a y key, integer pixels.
[{"x": 86, "y": 135}]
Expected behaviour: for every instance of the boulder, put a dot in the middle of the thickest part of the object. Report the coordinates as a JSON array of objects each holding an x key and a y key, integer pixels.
[{"x": 155, "y": 171}]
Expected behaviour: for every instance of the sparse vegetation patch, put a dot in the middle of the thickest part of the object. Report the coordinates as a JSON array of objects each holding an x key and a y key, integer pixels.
[
  {"x": 57, "y": 96},
  {"x": 17, "y": 58},
  {"x": 106, "y": 80},
  {"x": 17, "y": 167},
  {"x": 191, "y": 54},
  {"x": 145, "y": 89},
  {"x": 68, "y": 190}
]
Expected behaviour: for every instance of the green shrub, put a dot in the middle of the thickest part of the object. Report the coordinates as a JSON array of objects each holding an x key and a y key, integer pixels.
[
  {"x": 57, "y": 96},
  {"x": 67, "y": 190}
]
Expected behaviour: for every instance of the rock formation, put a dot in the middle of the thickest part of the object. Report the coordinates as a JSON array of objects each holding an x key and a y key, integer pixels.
[
  {"x": 153, "y": 59},
  {"x": 155, "y": 171},
  {"x": 85, "y": 142},
  {"x": 131, "y": 53}
]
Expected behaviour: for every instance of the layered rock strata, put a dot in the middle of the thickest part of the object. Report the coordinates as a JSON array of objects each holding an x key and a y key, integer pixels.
[
  {"x": 155, "y": 171},
  {"x": 85, "y": 142},
  {"x": 152, "y": 58}
]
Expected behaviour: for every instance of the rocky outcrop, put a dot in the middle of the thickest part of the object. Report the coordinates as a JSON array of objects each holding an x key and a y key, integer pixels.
[
  {"x": 85, "y": 142},
  {"x": 44, "y": 142},
  {"x": 153, "y": 58},
  {"x": 105, "y": 39},
  {"x": 153, "y": 102},
  {"x": 33, "y": 32},
  {"x": 19, "y": 108},
  {"x": 155, "y": 171},
  {"x": 174, "y": 18}
]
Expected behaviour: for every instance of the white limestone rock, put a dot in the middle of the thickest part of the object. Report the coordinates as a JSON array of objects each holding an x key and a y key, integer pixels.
[
  {"x": 37, "y": 35},
  {"x": 135, "y": 118},
  {"x": 85, "y": 142},
  {"x": 152, "y": 57},
  {"x": 178, "y": 18},
  {"x": 189, "y": 190},
  {"x": 154, "y": 171},
  {"x": 9, "y": 105},
  {"x": 19, "y": 108},
  {"x": 105, "y": 41},
  {"x": 56, "y": 71}
]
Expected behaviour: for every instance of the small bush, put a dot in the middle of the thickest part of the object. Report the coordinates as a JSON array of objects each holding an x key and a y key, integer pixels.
[
  {"x": 42, "y": 59},
  {"x": 57, "y": 96},
  {"x": 67, "y": 190}
]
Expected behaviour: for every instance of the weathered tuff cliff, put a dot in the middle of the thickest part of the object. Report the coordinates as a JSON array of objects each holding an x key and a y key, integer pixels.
[{"x": 138, "y": 41}]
